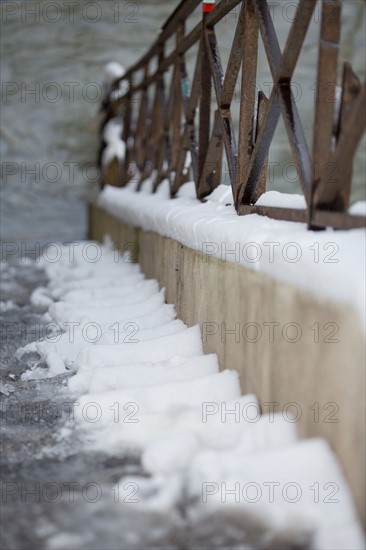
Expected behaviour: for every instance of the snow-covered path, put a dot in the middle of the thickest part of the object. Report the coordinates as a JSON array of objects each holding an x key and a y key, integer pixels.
[{"x": 141, "y": 385}]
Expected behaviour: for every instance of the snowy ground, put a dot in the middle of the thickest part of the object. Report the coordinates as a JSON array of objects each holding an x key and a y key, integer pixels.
[{"x": 126, "y": 441}]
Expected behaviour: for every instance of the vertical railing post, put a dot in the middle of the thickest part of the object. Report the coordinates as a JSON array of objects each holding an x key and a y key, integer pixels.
[
  {"x": 179, "y": 175},
  {"x": 158, "y": 119},
  {"x": 190, "y": 99},
  {"x": 126, "y": 132},
  {"x": 247, "y": 95},
  {"x": 161, "y": 155},
  {"x": 177, "y": 115},
  {"x": 154, "y": 128},
  {"x": 140, "y": 133},
  {"x": 325, "y": 93},
  {"x": 206, "y": 87}
]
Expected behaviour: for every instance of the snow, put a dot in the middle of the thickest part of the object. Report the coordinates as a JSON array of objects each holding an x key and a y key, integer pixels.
[
  {"x": 153, "y": 391},
  {"x": 276, "y": 199},
  {"x": 285, "y": 250},
  {"x": 115, "y": 147},
  {"x": 6, "y": 389},
  {"x": 64, "y": 312},
  {"x": 137, "y": 312},
  {"x": 40, "y": 297},
  {"x": 185, "y": 343},
  {"x": 302, "y": 466},
  {"x": 112, "y": 132},
  {"x": 358, "y": 209},
  {"x": 217, "y": 433},
  {"x": 55, "y": 364},
  {"x": 223, "y": 386},
  {"x": 130, "y": 291},
  {"x": 112, "y": 71},
  {"x": 169, "y": 455},
  {"x": 119, "y": 299},
  {"x": 68, "y": 344},
  {"x": 143, "y": 374},
  {"x": 7, "y": 305},
  {"x": 160, "y": 456},
  {"x": 62, "y": 287}
]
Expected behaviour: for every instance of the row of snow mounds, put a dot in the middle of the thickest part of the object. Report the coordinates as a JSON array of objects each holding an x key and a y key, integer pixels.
[{"x": 145, "y": 385}]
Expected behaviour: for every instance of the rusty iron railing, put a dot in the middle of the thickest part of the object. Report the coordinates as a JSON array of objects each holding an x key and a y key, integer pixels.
[{"x": 160, "y": 125}]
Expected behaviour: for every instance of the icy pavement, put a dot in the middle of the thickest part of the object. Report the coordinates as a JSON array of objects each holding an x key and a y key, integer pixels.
[{"x": 121, "y": 433}]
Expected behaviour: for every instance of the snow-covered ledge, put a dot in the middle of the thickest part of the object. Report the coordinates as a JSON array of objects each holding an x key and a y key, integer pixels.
[
  {"x": 282, "y": 305},
  {"x": 329, "y": 263}
]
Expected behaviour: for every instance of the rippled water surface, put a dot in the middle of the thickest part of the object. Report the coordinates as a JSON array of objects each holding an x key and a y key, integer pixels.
[{"x": 48, "y": 137}]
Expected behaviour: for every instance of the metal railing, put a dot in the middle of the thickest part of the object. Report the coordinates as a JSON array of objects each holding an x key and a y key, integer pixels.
[{"x": 168, "y": 122}]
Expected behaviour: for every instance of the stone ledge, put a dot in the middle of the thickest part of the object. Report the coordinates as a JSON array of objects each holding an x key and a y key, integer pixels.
[{"x": 323, "y": 383}]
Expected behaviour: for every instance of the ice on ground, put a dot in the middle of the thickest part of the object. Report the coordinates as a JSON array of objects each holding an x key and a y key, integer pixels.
[
  {"x": 143, "y": 374},
  {"x": 185, "y": 343}
]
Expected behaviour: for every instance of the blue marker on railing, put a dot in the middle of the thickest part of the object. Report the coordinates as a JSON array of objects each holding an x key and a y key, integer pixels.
[{"x": 185, "y": 87}]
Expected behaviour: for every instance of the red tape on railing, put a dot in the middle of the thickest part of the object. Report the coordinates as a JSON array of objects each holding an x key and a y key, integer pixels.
[{"x": 208, "y": 5}]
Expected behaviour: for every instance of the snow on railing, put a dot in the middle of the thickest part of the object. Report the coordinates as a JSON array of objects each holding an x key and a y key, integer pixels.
[{"x": 161, "y": 132}]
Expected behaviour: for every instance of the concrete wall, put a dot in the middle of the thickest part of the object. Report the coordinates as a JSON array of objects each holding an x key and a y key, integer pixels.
[{"x": 324, "y": 381}]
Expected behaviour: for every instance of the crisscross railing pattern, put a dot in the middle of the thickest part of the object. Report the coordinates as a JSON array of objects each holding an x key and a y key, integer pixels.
[{"x": 160, "y": 131}]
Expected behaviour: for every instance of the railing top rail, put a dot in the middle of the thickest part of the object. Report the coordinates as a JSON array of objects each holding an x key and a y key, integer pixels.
[{"x": 182, "y": 11}]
